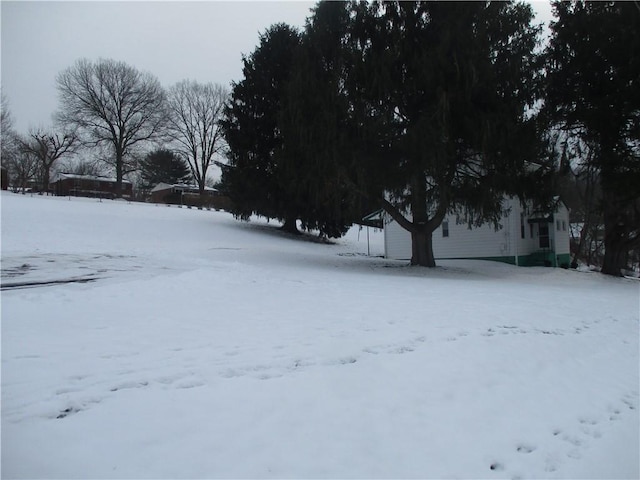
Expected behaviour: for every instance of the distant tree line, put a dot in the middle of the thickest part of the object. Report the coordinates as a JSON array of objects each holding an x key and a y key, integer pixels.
[
  {"x": 422, "y": 109},
  {"x": 127, "y": 122}
]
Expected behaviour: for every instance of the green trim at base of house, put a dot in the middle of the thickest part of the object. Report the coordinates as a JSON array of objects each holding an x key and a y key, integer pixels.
[
  {"x": 564, "y": 260},
  {"x": 536, "y": 259}
]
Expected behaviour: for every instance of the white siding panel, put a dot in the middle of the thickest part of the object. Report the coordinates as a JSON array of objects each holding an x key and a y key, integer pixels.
[
  {"x": 397, "y": 242},
  {"x": 562, "y": 236},
  {"x": 463, "y": 242},
  {"x": 483, "y": 241}
]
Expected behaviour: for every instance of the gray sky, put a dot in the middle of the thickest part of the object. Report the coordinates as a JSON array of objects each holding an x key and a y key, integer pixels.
[{"x": 203, "y": 41}]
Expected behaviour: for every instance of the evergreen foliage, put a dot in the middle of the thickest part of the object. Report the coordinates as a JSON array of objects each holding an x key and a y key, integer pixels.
[
  {"x": 593, "y": 96},
  {"x": 253, "y": 178},
  {"x": 315, "y": 125},
  {"x": 439, "y": 93},
  {"x": 281, "y": 159},
  {"x": 418, "y": 107},
  {"x": 163, "y": 166}
]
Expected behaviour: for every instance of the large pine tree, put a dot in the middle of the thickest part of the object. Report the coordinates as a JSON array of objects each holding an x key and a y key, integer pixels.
[
  {"x": 275, "y": 129},
  {"x": 252, "y": 177},
  {"x": 593, "y": 93},
  {"x": 314, "y": 122},
  {"x": 438, "y": 96}
]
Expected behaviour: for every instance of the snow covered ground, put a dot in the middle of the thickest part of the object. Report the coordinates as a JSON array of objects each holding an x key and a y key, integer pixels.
[{"x": 181, "y": 343}]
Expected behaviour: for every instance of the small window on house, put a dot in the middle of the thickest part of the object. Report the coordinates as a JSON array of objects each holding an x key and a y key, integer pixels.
[
  {"x": 531, "y": 230},
  {"x": 445, "y": 228},
  {"x": 558, "y": 225},
  {"x": 522, "y": 234},
  {"x": 564, "y": 226}
]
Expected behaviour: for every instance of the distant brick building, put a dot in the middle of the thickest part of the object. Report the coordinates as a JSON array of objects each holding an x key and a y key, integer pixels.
[
  {"x": 189, "y": 195},
  {"x": 64, "y": 184}
]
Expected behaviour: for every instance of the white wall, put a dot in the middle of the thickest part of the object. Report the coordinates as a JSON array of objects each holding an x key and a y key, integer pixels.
[
  {"x": 483, "y": 241},
  {"x": 462, "y": 242},
  {"x": 561, "y": 230}
]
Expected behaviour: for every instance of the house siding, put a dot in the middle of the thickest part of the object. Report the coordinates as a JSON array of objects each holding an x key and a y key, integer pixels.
[
  {"x": 504, "y": 244},
  {"x": 483, "y": 241},
  {"x": 397, "y": 242}
]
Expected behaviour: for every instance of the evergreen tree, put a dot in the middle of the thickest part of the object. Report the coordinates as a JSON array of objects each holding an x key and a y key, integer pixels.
[
  {"x": 315, "y": 124},
  {"x": 593, "y": 93},
  {"x": 163, "y": 166},
  {"x": 438, "y": 94},
  {"x": 253, "y": 178},
  {"x": 280, "y": 129}
]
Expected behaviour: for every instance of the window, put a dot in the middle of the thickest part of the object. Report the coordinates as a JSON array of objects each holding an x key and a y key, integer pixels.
[
  {"x": 531, "y": 230},
  {"x": 558, "y": 225},
  {"x": 522, "y": 234},
  {"x": 445, "y": 228},
  {"x": 564, "y": 226}
]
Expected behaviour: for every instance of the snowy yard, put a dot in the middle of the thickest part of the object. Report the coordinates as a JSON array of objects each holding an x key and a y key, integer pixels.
[{"x": 181, "y": 343}]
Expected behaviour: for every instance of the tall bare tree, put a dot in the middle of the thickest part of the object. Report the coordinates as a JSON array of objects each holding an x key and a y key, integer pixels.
[
  {"x": 112, "y": 104},
  {"x": 84, "y": 166},
  {"x": 7, "y": 120},
  {"x": 23, "y": 168},
  {"x": 194, "y": 113},
  {"x": 7, "y": 135},
  {"x": 47, "y": 147},
  {"x": 8, "y": 142}
]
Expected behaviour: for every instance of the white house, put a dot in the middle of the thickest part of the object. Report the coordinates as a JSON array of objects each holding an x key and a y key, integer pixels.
[{"x": 524, "y": 238}]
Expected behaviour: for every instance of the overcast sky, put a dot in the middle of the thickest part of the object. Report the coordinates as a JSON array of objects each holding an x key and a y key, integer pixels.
[{"x": 203, "y": 41}]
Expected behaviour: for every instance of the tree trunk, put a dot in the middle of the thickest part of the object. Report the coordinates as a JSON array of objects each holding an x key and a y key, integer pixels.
[
  {"x": 45, "y": 178},
  {"x": 119, "y": 169},
  {"x": 615, "y": 251},
  {"x": 291, "y": 225},
  {"x": 615, "y": 233},
  {"x": 422, "y": 248},
  {"x": 201, "y": 195}
]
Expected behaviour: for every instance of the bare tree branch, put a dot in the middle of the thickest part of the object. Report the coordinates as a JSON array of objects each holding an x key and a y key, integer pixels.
[{"x": 47, "y": 147}]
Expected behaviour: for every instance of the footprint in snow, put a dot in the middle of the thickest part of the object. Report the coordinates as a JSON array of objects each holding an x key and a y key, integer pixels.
[
  {"x": 403, "y": 349},
  {"x": 128, "y": 385},
  {"x": 524, "y": 448},
  {"x": 66, "y": 412}
]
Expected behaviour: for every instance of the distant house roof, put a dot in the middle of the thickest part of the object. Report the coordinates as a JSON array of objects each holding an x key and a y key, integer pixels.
[
  {"x": 95, "y": 178},
  {"x": 180, "y": 187},
  {"x": 374, "y": 219}
]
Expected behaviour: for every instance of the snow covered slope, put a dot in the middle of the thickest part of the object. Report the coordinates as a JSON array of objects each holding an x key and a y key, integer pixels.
[{"x": 185, "y": 344}]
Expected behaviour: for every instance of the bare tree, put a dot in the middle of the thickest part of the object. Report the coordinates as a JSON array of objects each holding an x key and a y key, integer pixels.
[
  {"x": 7, "y": 135},
  {"x": 23, "y": 168},
  {"x": 194, "y": 113},
  {"x": 5, "y": 114},
  {"x": 112, "y": 104},
  {"x": 47, "y": 147},
  {"x": 85, "y": 166}
]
